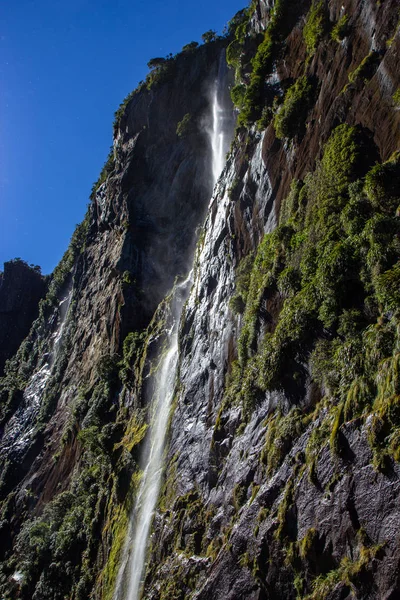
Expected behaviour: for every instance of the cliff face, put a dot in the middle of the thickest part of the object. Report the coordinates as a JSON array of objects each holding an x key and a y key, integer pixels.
[
  {"x": 21, "y": 288},
  {"x": 274, "y": 486},
  {"x": 282, "y": 475}
]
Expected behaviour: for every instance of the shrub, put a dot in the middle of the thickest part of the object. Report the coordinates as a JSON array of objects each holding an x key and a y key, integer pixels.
[
  {"x": 341, "y": 29},
  {"x": 209, "y": 36},
  {"x": 156, "y": 63},
  {"x": 184, "y": 127},
  {"x": 262, "y": 64},
  {"x": 366, "y": 69},
  {"x": 190, "y": 47},
  {"x": 382, "y": 185},
  {"x": 238, "y": 93},
  {"x": 316, "y": 26},
  {"x": 396, "y": 98},
  {"x": 291, "y": 117}
]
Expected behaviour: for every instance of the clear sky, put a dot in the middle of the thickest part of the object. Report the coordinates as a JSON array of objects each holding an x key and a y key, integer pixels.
[{"x": 65, "y": 66}]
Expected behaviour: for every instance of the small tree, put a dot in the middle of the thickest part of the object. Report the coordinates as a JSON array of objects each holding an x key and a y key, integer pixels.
[
  {"x": 209, "y": 36},
  {"x": 190, "y": 47},
  {"x": 156, "y": 63}
]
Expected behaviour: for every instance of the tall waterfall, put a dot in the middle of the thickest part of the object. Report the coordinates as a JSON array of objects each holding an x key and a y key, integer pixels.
[
  {"x": 222, "y": 122},
  {"x": 129, "y": 579},
  {"x": 130, "y": 576}
]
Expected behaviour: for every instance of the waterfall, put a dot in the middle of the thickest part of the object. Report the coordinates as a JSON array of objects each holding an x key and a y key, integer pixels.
[
  {"x": 130, "y": 575},
  {"x": 222, "y": 121}
]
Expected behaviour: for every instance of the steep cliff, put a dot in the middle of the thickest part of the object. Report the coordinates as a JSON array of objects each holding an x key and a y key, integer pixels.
[
  {"x": 21, "y": 289},
  {"x": 282, "y": 474}
]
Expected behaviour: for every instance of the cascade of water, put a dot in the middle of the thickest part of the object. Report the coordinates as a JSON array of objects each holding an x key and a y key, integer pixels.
[
  {"x": 129, "y": 579},
  {"x": 130, "y": 574},
  {"x": 220, "y": 132}
]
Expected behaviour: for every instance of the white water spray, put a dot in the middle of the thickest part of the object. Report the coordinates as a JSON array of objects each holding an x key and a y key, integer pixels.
[
  {"x": 222, "y": 123},
  {"x": 130, "y": 576},
  {"x": 129, "y": 580},
  {"x": 217, "y": 137}
]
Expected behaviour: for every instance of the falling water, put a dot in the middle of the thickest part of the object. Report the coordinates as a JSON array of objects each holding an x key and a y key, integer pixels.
[
  {"x": 130, "y": 576},
  {"x": 222, "y": 122}
]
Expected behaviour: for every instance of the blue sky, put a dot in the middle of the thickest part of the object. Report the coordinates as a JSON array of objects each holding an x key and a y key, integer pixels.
[{"x": 65, "y": 66}]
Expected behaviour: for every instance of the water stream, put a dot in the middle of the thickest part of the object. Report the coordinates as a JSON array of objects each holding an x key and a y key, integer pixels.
[
  {"x": 131, "y": 570},
  {"x": 130, "y": 576}
]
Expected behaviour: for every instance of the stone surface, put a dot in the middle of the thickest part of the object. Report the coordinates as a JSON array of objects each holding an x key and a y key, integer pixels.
[
  {"x": 142, "y": 234},
  {"x": 21, "y": 288}
]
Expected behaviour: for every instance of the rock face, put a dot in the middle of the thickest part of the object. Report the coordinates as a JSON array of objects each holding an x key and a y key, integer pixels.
[
  {"x": 282, "y": 469},
  {"x": 21, "y": 288}
]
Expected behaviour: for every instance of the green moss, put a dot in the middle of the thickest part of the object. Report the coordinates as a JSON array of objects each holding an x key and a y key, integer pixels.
[
  {"x": 366, "y": 69},
  {"x": 242, "y": 280},
  {"x": 239, "y": 496},
  {"x": 286, "y": 503},
  {"x": 130, "y": 365},
  {"x": 262, "y": 64},
  {"x": 291, "y": 117},
  {"x": 316, "y": 26},
  {"x": 238, "y": 93},
  {"x": 348, "y": 573},
  {"x": 382, "y": 185},
  {"x": 341, "y": 29},
  {"x": 318, "y": 439},
  {"x": 334, "y": 437},
  {"x": 184, "y": 127},
  {"x": 307, "y": 543},
  {"x": 281, "y": 434},
  {"x": 115, "y": 530}
]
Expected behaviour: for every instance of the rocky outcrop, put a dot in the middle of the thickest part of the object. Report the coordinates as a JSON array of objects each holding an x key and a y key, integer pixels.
[
  {"x": 21, "y": 288},
  {"x": 244, "y": 523},
  {"x": 65, "y": 382},
  {"x": 282, "y": 469}
]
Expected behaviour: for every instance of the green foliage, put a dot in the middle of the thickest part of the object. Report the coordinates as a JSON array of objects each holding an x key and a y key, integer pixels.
[
  {"x": 316, "y": 26},
  {"x": 349, "y": 572},
  {"x": 238, "y": 301},
  {"x": 129, "y": 366},
  {"x": 190, "y": 47},
  {"x": 162, "y": 70},
  {"x": 341, "y": 29},
  {"x": 284, "y": 507},
  {"x": 107, "y": 169},
  {"x": 382, "y": 185},
  {"x": 238, "y": 93},
  {"x": 184, "y": 126},
  {"x": 262, "y": 64},
  {"x": 315, "y": 290},
  {"x": 388, "y": 288},
  {"x": 366, "y": 69},
  {"x": 209, "y": 36},
  {"x": 290, "y": 119},
  {"x": 156, "y": 63},
  {"x": 239, "y": 496},
  {"x": 282, "y": 432},
  {"x": 396, "y": 98}
]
